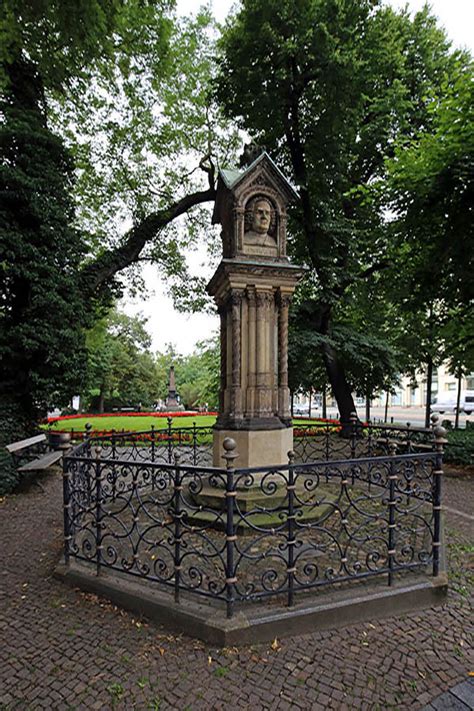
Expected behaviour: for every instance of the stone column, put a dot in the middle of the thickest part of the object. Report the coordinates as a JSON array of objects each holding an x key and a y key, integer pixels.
[
  {"x": 239, "y": 217},
  {"x": 252, "y": 353},
  {"x": 236, "y": 391},
  {"x": 283, "y": 392},
  {"x": 264, "y": 299},
  {"x": 223, "y": 376}
]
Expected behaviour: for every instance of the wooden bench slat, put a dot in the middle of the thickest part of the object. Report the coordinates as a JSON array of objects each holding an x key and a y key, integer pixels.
[
  {"x": 25, "y": 443},
  {"x": 42, "y": 462}
]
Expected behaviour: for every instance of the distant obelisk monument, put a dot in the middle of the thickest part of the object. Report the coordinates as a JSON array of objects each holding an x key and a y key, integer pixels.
[
  {"x": 171, "y": 402},
  {"x": 252, "y": 287}
]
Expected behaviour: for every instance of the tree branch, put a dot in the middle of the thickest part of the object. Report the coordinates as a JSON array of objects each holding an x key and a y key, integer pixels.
[{"x": 96, "y": 274}]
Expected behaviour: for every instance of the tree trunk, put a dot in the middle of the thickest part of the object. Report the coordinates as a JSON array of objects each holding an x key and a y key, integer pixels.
[
  {"x": 429, "y": 383},
  {"x": 339, "y": 385},
  {"x": 367, "y": 405},
  {"x": 101, "y": 399},
  {"x": 458, "y": 401},
  {"x": 324, "y": 411},
  {"x": 386, "y": 407},
  {"x": 310, "y": 401}
]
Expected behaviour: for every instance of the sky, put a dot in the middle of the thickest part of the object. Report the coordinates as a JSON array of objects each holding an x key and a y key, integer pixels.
[{"x": 165, "y": 324}]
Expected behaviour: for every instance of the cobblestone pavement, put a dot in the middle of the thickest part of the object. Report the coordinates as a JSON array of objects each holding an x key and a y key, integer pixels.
[{"x": 63, "y": 649}]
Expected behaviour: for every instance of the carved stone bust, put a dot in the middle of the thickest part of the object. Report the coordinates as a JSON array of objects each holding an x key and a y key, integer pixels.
[
  {"x": 259, "y": 222},
  {"x": 251, "y": 207}
]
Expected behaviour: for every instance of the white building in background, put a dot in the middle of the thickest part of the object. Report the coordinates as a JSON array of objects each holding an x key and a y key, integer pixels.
[{"x": 444, "y": 384}]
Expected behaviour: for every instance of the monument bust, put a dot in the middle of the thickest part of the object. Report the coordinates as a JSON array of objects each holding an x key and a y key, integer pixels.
[
  {"x": 251, "y": 209},
  {"x": 259, "y": 222}
]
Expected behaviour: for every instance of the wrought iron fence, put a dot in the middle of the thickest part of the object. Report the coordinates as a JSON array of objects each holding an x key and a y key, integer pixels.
[
  {"x": 239, "y": 535},
  {"x": 194, "y": 444},
  {"x": 325, "y": 440}
]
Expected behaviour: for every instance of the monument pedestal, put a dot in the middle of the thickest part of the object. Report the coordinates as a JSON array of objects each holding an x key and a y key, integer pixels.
[{"x": 256, "y": 448}]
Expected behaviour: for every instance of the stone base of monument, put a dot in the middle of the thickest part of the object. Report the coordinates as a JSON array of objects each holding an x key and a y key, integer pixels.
[
  {"x": 256, "y": 448},
  {"x": 251, "y": 499},
  {"x": 255, "y": 508}
]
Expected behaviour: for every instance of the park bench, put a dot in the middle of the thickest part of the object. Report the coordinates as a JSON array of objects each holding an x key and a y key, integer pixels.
[{"x": 33, "y": 455}]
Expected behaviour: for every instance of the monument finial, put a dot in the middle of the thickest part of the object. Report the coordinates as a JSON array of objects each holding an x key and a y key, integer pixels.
[{"x": 250, "y": 153}]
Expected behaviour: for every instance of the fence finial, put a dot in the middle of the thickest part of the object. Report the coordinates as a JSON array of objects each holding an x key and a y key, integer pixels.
[
  {"x": 177, "y": 458},
  {"x": 392, "y": 446},
  {"x": 291, "y": 457},
  {"x": 434, "y": 419},
  {"x": 230, "y": 454},
  {"x": 88, "y": 429}
]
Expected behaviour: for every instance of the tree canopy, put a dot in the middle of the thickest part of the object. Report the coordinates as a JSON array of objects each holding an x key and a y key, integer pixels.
[{"x": 329, "y": 87}]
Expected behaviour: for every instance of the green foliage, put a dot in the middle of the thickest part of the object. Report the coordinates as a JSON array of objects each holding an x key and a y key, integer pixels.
[
  {"x": 62, "y": 37},
  {"x": 12, "y": 429},
  {"x": 460, "y": 447},
  {"x": 46, "y": 303},
  {"x": 42, "y": 309},
  {"x": 120, "y": 371},
  {"x": 432, "y": 189},
  {"x": 145, "y": 133},
  {"x": 328, "y": 88},
  {"x": 197, "y": 375}
]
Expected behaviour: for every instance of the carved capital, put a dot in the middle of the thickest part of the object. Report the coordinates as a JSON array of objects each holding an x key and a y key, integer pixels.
[
  {"x": 251, "y": 297},
  {"x": 236, "y": 297},
  {"x": 264, "y": 298},
  {"x": 284, "y": 299}
]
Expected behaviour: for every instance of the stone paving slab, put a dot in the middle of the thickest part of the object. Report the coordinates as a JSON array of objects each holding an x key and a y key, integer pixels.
[
  {"x": 459, "y": 698},
  {"x": 64, "y": 649},
  {"x": 465, "y": 692}
]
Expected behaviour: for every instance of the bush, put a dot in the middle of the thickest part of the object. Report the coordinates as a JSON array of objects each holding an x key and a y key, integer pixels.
[
  {"x": 11, "y": 430},
  {"x": 460, "y": 447}
]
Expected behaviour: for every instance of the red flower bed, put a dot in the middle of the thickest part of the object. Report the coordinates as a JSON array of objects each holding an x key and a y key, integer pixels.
[
  {"x": 185, "y": 413},
  {"x": 134, "y": 436}
]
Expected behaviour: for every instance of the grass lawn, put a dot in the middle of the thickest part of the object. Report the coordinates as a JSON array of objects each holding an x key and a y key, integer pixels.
[
  {"x": 134, "y": 423},
  {"x": 137, "y": 423}
]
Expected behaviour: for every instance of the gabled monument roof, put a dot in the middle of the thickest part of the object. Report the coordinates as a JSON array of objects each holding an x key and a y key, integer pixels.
[{"x": 232, "y": 177}]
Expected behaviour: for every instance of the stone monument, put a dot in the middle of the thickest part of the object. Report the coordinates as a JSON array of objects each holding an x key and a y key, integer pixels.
[
  {"x": 171, "y": 402},
  {"x": 252, "y": 288}
]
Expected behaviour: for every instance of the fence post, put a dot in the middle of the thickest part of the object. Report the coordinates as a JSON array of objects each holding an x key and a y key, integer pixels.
[
  {"x": 229, "y": 455},
  {"x": 194, "y": 443},
  {"x": 67, "y": 509},
  {"x": 114, "y": 468},
  {"x": 353, "y": 439},
  {"x": 392, "y": 478},
  {"x": 89, "y": 465},
  {"x": 170, "y": 443},
  {"x": 98, "y": 509},
  {"x": 291, "y": 570},
  {"x": 439, "y": 442},
  {"x": 87, "y": 437},
  {"x": 177, "y": 525},
  {"x": 153, "y": 443}
]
